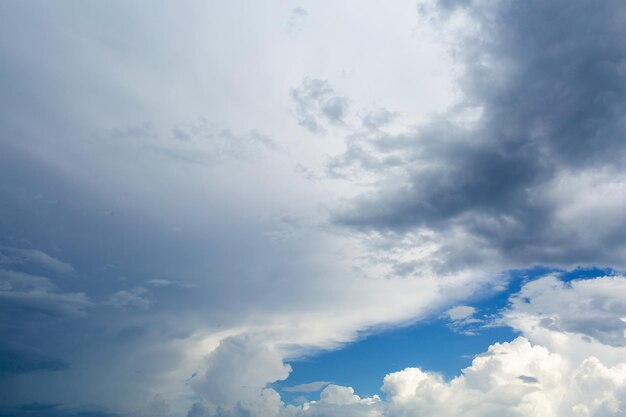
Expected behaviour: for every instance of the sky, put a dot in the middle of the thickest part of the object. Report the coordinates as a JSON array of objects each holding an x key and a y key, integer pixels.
[{"x": 312, "y": 208}]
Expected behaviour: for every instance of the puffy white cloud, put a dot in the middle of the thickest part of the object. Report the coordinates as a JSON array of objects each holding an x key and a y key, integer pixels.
[
  {"x": 495, "y": 384},
  {"x": 512, "y": 379},
  {"x": 336, "y": 394},
  {"x": 239, "y": 369},
  {"x": 569, "y": 362},
  {"x": 521, "y": 378},
  {"x": 341, "y": 401}
]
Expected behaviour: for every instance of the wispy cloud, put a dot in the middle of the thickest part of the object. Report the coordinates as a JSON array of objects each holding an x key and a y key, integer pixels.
[{"x": 308, "y": 387}]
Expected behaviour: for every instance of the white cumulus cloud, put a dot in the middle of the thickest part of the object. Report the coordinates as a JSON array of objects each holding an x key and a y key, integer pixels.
[{"x": 559, "y": 367}]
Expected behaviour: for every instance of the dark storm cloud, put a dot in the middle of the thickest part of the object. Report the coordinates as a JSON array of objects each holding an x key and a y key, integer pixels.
[
  {"x": 549, "y": 82},
  {"x": 18, "y": 359},
  {"x": 52, "y": 410},
  {"x": 39, "y": 406},
  {"x": 317, "y": 105}
]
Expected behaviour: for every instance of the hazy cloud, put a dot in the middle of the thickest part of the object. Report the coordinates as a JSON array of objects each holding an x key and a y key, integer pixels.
[
  {"x": 317, "y": 105},
  {"x": 296, "y": 16},
  {"x": 25, "y": 295},
  {"x": 40, "y": 258},
  {"x": 130, "y": 299}
]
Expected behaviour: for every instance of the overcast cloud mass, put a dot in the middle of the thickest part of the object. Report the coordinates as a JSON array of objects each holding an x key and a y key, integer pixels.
[{"x": 193, "y": 195}]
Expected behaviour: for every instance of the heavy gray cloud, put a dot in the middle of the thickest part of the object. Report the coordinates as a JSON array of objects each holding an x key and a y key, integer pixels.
[
  {"x": 54, "y": 410},
  {"x": 16, "y": 359},
  {"x": 541, "y": 118}
]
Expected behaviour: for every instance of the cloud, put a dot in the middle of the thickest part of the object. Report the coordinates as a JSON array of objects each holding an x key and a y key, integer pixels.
[
  {"x": 296, "y": 16},
  {"x": 309, "y": 387},
  {"x": 54, "y": 410},
  {"x": 497, "y": 178},
  {"x": 378, "y": 118},
  {"x": 130, "y": 299},
  {"x": 512, "y": 379},
  {"x": 267, "y": 404},
  {"x": 161, "y": 283},
  {"x": 520, "y": 378},
  {"x": 164, "y": 283},
  {"x": 47, "y": 303},
  {"x": 25, "y": 295},
  {"x": 462, "y": 320},
  {"x": 592, "y": 308},
  {"x": 154, "y": 162},
  {"x": 528, "y": 379},
  {"x": 460, "y": 312},
  {"x": 517, "y": 378},
  {"x": 317, "y": 105},
  {"x": 335, "y": 394},
  {"x": 299, "y": 11},
  {"x": 39, "y": 406},
  {"x": 37, "y": 257},
  {"x": 203, "y": 143},
  {"x": 238, "y": 370},
  {"x": 19, "y": 359},
  {"x": 338, "y": 401},
  {"x": 157, "y": 406}
]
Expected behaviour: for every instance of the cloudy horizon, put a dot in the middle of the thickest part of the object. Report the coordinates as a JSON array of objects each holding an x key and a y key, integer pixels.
[{"x": 324, "y": 209}]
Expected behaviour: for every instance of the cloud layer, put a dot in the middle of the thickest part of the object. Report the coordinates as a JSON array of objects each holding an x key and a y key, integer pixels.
[{"x": 195, "y": 194}]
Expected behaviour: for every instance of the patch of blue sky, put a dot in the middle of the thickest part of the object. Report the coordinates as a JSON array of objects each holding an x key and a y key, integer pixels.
[{"x": 434, "y": 344}]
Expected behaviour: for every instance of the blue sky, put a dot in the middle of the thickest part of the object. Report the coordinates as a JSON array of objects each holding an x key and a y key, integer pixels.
[
  {"x": 312, "y": 209},
  {"x": 431, "y": 344}
]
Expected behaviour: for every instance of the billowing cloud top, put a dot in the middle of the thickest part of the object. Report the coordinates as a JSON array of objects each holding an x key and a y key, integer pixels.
[{"x": 196, "y": 194}]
